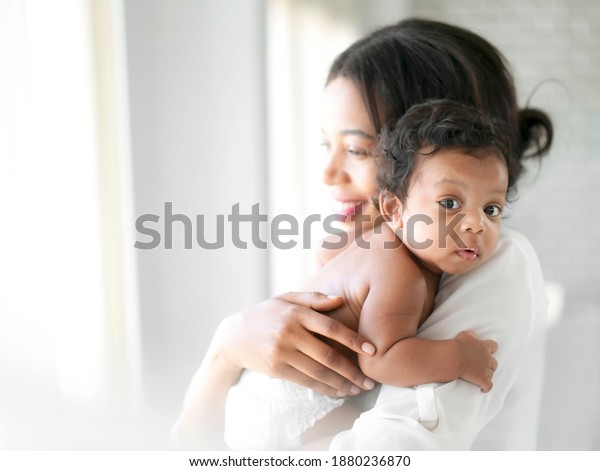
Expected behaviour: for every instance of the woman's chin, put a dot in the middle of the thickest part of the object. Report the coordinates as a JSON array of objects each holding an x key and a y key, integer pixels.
[
  {"x": 352, "y": 224},
  {"x": 360, "y": 218}
]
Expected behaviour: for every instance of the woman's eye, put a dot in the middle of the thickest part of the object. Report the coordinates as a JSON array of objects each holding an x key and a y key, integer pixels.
[
  {"x": 450, "y": 203},
  {"x": 357, "y": 152},
  {"x": 493, "y": 210}
]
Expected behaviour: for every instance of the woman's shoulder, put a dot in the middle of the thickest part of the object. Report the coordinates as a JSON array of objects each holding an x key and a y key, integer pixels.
[
  {"x": 507, "y": 290},
  {"x": 514, "y": 248},
  {"x": 513, "y": 240},
  {"x": 512, "y": 272}
]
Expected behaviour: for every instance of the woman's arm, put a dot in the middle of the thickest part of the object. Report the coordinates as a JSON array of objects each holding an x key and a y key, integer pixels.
[
  {"x": 201, "y": 423},
  {"x": 275, "y": 337}
]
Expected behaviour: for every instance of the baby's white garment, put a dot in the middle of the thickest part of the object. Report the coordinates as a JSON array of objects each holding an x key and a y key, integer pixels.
[{"x": 263, "y": 413}]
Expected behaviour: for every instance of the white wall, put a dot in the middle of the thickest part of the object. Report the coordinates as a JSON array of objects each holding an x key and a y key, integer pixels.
[{"x": 196, "y": 90}]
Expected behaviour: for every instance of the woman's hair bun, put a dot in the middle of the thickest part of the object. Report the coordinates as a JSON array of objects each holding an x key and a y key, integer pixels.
[{"x": 535, "y": 131}]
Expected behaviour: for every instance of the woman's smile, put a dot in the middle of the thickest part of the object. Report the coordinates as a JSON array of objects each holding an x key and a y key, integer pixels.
[
  {"x": 349, "y": 139},
  {"x": 348, "y": 208}
]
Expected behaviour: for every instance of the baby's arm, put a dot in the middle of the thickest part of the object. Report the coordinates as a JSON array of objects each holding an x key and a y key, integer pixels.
[{"x": 390, "y": 318}]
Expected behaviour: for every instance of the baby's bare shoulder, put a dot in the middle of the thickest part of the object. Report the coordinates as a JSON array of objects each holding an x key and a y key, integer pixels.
[
  {"x": 331, "y": 246},
  {"x": 390, "y": 261}
]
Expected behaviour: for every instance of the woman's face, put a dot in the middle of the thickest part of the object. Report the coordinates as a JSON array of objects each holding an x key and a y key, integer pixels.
[{"x": 349, "y": 140}]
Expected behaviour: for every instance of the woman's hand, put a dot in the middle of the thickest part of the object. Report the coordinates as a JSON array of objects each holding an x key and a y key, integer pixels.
[{"x": 276, "y": 337}]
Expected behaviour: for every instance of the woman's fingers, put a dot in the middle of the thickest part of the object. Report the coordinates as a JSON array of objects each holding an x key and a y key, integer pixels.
[
  {"x": 335, "y": 330},
  {"x": 313, "y": 300},
  {"x": 325, "y": 364},
  {"x": 290, "y": 373},
  {"x": 324, "y": 325},
  {"x": 315, "y": 376},
  {"x": 277, "y": 337}
]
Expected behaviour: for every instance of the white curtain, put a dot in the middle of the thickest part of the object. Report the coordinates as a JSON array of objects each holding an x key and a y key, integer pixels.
[{"x": 59, "y": 323}]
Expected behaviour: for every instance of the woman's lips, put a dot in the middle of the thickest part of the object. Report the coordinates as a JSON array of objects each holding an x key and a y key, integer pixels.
[{"x": 348, "y": 208}]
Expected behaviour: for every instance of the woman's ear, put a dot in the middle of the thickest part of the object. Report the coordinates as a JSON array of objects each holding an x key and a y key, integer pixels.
[{"x": 391, "y": 209}]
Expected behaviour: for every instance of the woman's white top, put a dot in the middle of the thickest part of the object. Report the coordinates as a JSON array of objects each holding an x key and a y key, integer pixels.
[{"x": 504, "y": 299}]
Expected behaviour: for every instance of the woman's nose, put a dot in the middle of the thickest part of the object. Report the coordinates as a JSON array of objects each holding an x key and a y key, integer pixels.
[
  {"x": 334, "y": 172},
  {"x": 473, "y": 221}
]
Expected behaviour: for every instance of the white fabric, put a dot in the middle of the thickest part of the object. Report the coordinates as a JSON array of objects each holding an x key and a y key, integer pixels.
[
  {"x": 428, "y": 415},
  {"x": 503, "y": 299},
  {"x": 263, "y": 413}
]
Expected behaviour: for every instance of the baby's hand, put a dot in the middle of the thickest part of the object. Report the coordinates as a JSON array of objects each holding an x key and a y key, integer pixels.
[{"x": 479, "y": 363}]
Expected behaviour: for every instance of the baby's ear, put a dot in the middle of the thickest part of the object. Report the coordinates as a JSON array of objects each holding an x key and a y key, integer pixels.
[{"x": 391, "y": 209}]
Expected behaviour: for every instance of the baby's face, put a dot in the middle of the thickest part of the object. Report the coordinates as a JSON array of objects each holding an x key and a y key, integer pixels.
[{"x": 451, "y": 217}]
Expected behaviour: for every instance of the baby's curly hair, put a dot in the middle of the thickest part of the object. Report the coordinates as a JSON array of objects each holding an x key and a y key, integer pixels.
[{"x": 436, "y": 125}]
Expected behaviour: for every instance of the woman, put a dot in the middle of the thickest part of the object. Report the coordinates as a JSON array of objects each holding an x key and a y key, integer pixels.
[{"x": 371, "y": 85}]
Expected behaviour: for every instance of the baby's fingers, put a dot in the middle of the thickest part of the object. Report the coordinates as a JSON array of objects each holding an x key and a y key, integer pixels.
[
  {"x": 486, "y": 385},
  {"x": 492, "y": 345}
]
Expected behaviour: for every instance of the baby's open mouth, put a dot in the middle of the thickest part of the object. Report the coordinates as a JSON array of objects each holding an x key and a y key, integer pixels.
[{"x": 469, "y": 254}]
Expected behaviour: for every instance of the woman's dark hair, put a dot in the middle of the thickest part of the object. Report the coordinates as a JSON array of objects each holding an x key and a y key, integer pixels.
[
  {"x": 431, "y": 127},
  {"x": 417, "y": 60}
]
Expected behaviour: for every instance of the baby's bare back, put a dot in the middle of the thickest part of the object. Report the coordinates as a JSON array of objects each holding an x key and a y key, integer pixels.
[{"x": 352, "y": 273}]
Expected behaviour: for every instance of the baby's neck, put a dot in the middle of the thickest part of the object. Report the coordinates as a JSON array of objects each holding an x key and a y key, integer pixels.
[{"x": 389, "y": 239}]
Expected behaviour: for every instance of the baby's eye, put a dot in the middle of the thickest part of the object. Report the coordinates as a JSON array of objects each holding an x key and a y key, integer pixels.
[
  {"x": 450, "y": 203},
  {"x": 493, "y": 210}
]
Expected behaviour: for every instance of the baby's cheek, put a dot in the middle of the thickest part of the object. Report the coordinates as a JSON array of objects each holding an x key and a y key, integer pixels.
[
  {"x": 494, "y": 236},
  {"x": 421, "y": 233}
]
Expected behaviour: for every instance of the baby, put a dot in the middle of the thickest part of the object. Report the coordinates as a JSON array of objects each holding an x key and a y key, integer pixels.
[{"x": 443, "y": 175}]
